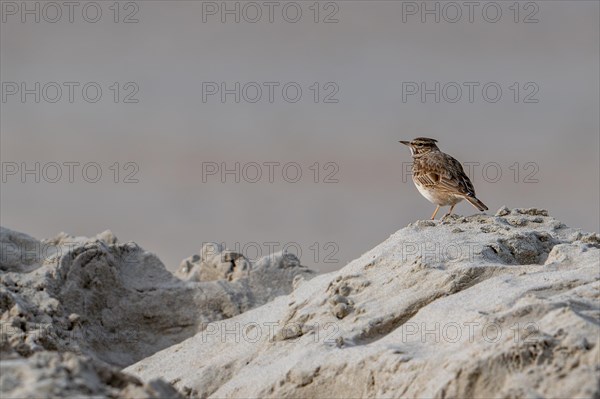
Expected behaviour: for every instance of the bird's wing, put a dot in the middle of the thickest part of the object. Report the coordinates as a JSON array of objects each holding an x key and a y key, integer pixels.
[{"x": 442, "y": 172}]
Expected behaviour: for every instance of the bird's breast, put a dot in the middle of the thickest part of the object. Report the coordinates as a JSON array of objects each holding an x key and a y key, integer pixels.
[{"x": 436, "y": 196}]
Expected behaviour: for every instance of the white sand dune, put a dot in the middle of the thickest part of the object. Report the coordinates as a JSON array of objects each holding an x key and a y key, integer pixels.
[{"x": 479, "y": 306}]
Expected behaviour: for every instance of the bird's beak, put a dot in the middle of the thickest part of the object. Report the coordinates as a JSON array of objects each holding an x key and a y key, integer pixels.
[{"x": 404, "y": 142}]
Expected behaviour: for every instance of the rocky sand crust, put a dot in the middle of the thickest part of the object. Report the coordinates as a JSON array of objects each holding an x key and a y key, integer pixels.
[{"x": 503, "y": 306}]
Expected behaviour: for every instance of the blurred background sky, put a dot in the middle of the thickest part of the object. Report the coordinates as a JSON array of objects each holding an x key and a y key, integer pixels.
[{"x": 374, "y": 46}]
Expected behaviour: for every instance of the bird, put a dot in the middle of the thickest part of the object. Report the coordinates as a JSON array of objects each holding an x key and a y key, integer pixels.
[{"x": 439, "y": 177}]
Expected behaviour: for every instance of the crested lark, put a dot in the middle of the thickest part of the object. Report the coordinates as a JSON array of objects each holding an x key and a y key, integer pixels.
[{"x": 439, "y": 177}]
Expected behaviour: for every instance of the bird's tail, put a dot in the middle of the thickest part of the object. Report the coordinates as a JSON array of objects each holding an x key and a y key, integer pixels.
[{"x": 476, "y": 203}]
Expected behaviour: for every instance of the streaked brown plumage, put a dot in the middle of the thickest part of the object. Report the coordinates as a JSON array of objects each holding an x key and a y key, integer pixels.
[{"x": 439, "y": 177}]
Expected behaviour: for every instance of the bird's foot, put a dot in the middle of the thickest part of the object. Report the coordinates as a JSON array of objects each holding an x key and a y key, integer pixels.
[{"x": 447, "y": 215}]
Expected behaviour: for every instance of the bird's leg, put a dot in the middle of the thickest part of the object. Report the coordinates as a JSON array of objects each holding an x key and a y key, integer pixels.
[
  {"x": 450, "y": 211},
  {"x": 435, "y": 212}
]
